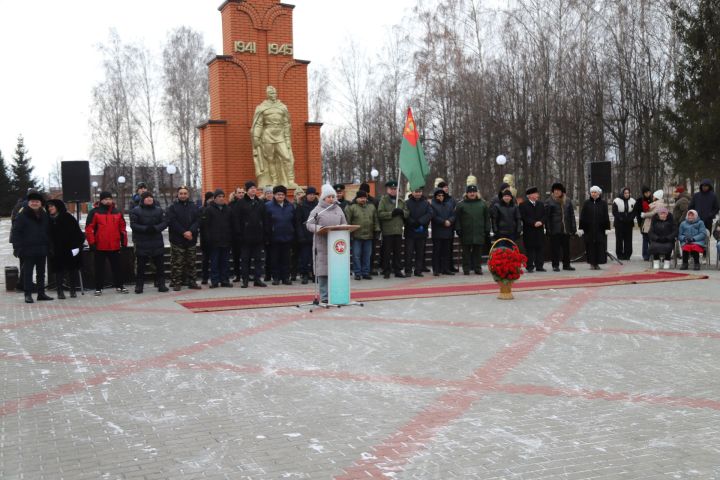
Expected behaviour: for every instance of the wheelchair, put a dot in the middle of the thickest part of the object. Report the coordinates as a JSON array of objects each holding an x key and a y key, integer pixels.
[{"x": 704, "y": 257}]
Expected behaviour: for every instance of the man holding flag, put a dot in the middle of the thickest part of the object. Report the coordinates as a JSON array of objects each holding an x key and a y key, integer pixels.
[{"x": 392, "y": 211}]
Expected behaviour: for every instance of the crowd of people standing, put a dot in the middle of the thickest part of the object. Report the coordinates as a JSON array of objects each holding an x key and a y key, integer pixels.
[{"x": 265, "y": 237}]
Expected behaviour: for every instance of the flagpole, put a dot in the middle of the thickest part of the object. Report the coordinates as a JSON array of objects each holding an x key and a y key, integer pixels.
[{"x": 399, "y": 180}]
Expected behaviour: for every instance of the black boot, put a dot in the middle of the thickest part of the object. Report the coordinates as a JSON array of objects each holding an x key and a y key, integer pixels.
[
  {"x": 245, "y": 282},
  {"x": 59, "y": 287},
  {"x": 139, "y": 287},
  {"x": 28, "y": 298},
  {"x": 304, "y": 279},
  {"x": 161, "y": 285},
  {"x": 42, "y": 296}
]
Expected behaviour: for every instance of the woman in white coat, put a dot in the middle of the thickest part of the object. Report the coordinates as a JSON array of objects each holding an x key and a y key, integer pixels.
[{"x": 327, "y": 214}]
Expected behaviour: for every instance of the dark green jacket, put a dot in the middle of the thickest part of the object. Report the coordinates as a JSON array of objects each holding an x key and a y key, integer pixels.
[
  {"x": 366, "y": 217},
  {"x": 472, "y": 221},
  {"x": 388, "y": 224}
]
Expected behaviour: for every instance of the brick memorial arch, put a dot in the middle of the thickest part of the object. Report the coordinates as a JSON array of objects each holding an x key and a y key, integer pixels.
[{"x": 257, "y": 53}]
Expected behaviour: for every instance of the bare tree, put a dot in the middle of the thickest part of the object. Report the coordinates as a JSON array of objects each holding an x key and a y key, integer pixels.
[{"x": 186, "y": 98}]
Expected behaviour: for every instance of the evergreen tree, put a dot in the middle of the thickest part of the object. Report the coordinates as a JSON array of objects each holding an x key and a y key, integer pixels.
[
  {"x": 22, "y": 178},
  {"x": 6, "y": 197},
  {"x": 693, "y": 123}
]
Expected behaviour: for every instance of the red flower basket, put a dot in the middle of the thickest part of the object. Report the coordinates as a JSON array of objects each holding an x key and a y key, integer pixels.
[{"x": 506, "y": 265}]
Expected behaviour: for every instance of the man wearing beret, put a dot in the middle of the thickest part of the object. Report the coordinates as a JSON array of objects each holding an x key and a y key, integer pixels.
[
  {"x": 472, "y": 223},
  {"x": 392, "y": 213},
  {"x": 533, "y": 218}
]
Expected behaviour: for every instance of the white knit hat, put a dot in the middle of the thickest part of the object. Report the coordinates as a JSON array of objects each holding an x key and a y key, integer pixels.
[
  {"x": 326, "y": 191},
  {"x": 658, "y": 194},
  {"x": 595, "y": 188}
]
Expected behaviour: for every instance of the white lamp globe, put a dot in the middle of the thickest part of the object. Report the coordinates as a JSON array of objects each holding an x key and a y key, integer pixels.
[
  {"x": 94, "y": 184},
  {"x": 374, "y": 173},
  {"x": 501, "y": 160},
  {"x": 171, "y": 169},
  {"x": 121, "y": 179}
]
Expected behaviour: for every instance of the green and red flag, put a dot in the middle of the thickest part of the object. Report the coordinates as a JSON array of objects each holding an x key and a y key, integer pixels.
[{"x": 412, "y": 158}]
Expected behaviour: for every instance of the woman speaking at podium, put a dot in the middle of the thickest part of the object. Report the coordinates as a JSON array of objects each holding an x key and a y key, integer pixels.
[{"x": 327, "y": 214}]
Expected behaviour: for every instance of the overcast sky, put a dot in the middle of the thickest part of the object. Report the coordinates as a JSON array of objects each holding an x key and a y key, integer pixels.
[{"x": 49, "y": 59}]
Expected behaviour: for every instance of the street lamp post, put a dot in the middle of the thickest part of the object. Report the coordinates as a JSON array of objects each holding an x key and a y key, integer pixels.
[
  {"x": 121, "y": 182},
  {"x": 171, "y": 171}
]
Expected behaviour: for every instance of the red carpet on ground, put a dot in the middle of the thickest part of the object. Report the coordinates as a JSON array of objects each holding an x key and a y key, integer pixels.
[{"x": 444, "y": 290}]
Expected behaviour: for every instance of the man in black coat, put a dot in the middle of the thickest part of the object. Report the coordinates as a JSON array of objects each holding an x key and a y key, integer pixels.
[
  {"x": 533, "y": 217},
  {"x": 183, "y": 218},
  {"x": 561, "y": 225},
  {"x": 452, "y": 203},
  {"x": 304, "y": 236},
  {"x": 31, "y": 243},
  {"x": 147, "y": 222},
  {"x": 204, "y": 243},
  {"x": 217, "y": 222},
  {"x": 249, "y": 225},
  {"x": 416, "y": 232},
  {"x": 705, "y": 202}
]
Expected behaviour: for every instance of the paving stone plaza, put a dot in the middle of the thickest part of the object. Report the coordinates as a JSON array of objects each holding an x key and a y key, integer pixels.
[{"x": 614, "y": 383}]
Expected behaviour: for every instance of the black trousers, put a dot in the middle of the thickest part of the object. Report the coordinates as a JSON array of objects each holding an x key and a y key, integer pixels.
[
  {"x": 101, "y": 256},
  {"x": 268, "y": 261},
  {"x": 252, "y": 251},
  {"x": 472, "y": 257},
  {"x": 441, "y": 255},
  {"x": 280, "y": 258},
  {"x": 237, "y": 258},
  {"x": 142, "y": 262},
  {"x": 72, "y": 276},
  {"x": 29, "y": 264},
  {"x": 205, "y": 263},
  {"x": 695, "y": 257},
  {"x": 391, "y": 253},
  {"x": 535, "y": 251},
  {"x": 451, "y": 252},
  {"x": 623, "y": 240},
  {"x": 304, "y": 258},
  {"x": 560, "y": 246},
  {"x": 415, "y": 254}
]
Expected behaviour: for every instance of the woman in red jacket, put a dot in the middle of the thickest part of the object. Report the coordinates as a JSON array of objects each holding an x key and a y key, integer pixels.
[{"x": 106, "y": 235}]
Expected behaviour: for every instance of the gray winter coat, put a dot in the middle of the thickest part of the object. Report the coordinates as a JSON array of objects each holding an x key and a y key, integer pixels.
[{"x": 318, "y": 219}]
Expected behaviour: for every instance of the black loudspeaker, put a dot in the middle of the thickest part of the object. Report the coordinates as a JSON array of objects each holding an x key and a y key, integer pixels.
[
  {"x": 601, "y": 175},
  {"x": 75, "y": 181}
]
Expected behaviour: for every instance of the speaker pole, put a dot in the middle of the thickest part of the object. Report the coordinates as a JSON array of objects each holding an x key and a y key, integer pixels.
[{"x": 77, "y": 211}]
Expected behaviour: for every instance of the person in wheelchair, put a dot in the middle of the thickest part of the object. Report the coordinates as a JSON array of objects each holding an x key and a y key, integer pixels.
[
  {"x": 662, "y": 238},
  {"x": 693, "y": 239}
]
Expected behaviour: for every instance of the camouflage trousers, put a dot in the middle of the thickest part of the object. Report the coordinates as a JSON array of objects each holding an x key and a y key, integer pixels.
[{"x": 182, "y": 265}]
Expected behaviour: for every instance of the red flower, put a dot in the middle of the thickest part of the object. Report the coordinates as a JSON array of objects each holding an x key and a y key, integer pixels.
[{"x": 506, "y": 264}]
